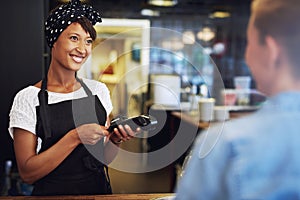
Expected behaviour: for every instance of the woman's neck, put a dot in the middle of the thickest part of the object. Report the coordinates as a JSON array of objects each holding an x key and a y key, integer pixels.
[{"x": 62, "y": 82}]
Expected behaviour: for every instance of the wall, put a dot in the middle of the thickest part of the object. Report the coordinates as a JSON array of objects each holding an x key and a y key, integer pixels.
[{"x": 21, "y": 59}]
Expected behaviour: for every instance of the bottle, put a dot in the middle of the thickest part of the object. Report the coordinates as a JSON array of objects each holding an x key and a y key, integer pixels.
[
  {"x": 193, "y": 99},
  {"x": 203, "y": 90},
  {"x": 7, "y": 178}
]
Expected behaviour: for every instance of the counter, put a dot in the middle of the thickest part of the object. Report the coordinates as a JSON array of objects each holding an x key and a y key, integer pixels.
[
  {"x": 173, "y": 122},
  {"x": 192, "y": 120},
  {"x": 94, "y": 197}
]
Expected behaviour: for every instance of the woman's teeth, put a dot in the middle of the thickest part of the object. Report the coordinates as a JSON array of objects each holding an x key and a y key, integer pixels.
[{"x": 77, "y": 59}]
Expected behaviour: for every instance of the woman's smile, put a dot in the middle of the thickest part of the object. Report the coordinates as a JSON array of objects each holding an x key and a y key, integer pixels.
[{"x": 77, "y": 59}]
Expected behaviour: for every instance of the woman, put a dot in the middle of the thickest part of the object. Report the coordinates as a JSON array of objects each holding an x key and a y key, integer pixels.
[{"x": 59, "y": 125}]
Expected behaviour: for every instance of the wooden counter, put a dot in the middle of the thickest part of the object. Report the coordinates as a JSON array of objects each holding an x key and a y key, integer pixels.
[
  {"x": 203, "y": 125},
  {"x": 94, "y": 197}
]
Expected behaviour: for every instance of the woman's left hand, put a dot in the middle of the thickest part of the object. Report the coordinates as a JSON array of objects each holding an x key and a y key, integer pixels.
[{"x": 123, "y": 133}]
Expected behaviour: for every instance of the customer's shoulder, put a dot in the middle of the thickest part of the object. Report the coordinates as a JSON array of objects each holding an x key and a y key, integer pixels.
[{"x": 250, "y": 126}]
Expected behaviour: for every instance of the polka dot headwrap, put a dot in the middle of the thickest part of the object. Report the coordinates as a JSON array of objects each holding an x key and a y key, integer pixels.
[{"x": 64, "y": 15}]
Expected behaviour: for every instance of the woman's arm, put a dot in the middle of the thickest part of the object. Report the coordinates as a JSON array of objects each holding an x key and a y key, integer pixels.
[{"x": 33, "y": 166}]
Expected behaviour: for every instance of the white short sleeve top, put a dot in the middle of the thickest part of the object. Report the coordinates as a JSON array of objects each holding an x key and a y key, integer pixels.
[{"x": 23, "y": 111}]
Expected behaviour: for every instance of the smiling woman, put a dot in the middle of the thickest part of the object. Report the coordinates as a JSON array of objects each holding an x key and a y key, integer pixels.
[
  {"x": 74, "y": 42},
  {"x": 62, "y": 121}
]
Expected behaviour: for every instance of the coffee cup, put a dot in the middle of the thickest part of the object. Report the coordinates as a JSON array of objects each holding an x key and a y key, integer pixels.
[
  {"x": 221, "y": 113},
  {"x": 206, "y": 109}
]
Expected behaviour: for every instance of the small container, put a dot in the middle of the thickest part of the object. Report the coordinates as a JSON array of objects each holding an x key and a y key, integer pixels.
[
  {"x": 221, "y": 113},
  {"x": 242, "y": 82},
  {"x": 206, "y": 109},
  {"x": 229, "y": 97}
]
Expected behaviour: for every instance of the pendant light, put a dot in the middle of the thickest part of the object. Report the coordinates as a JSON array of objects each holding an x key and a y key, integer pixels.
[{"x": 165, "y": 3}]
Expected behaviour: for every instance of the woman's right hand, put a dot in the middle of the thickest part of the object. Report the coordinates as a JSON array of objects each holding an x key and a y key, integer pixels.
[
  {"x": 31, "y": 164},
  {"x": 91, "y": 133}
]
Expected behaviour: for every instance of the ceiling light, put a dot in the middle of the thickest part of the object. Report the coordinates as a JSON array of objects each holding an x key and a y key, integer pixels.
[
  {"x": 188, "y": 37},
  {"x": 67, "y": 1},
  {"x": 166, "y": 3},
  {"x": 219, "y": 14},
  {"x": 219, "y": 48},
  {"x": 149, "y": 12},
  {"x": 206, "y": 34}
]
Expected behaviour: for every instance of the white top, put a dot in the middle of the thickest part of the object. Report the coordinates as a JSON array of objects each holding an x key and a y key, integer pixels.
[{"x": 23, "y": 111}]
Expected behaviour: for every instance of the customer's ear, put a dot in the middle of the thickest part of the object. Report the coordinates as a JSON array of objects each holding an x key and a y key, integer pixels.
[{"x": 275, "y": 52}]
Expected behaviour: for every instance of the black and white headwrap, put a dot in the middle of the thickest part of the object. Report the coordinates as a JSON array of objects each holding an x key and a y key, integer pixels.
[{"x": 66, "y": 14}]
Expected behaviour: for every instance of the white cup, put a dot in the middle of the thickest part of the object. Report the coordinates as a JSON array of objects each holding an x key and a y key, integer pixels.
[
  {"x": 242, "y": 86},
  {"x": 221, "y": 113},
  {"x": 206, "y": 109},
  {"x": 242, "y": 82}
]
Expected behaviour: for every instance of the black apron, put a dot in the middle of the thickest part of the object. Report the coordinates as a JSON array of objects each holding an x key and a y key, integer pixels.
[{"x": 80, "y": 173}]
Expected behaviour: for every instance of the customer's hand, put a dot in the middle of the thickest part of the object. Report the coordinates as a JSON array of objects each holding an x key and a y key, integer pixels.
[{"x": 91, "y": 133}]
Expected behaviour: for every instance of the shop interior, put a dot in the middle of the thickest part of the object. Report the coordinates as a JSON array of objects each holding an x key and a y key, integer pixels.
[{"x": 193, "y": 47}]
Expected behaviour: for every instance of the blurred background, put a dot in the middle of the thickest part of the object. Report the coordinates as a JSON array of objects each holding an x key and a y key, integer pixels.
[{"x": 185, "y": 38}]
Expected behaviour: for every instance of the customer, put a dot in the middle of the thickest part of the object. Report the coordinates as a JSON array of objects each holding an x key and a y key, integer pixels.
[
  {"x": 257, "y": 157},
  {"x": 60, "y": 123}
]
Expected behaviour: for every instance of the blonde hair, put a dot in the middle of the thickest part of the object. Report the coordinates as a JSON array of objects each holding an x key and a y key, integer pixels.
[{"x": 279, "y": 19}]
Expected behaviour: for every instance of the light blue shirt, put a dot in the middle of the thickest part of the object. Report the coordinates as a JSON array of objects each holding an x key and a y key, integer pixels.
[{"x": 251, "y": 158}]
